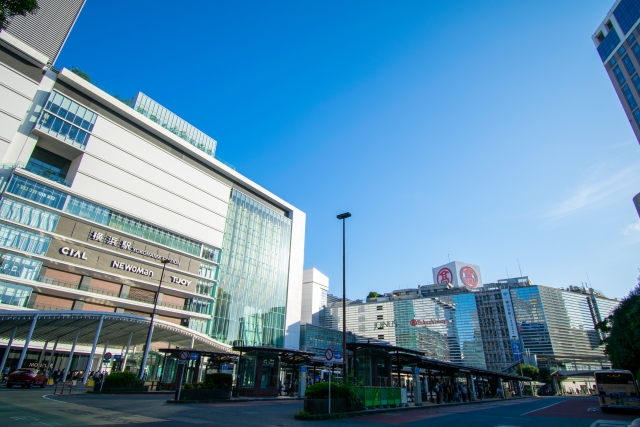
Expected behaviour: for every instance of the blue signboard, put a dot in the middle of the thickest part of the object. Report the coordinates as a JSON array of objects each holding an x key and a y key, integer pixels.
[
  {"x": 303, "y": 369},
  {"x": 224, "y": 367},
  {"x": 517, "y": 350},
  {"x": 194, "y": 356},
  {"x": 337, "y": 355},
  {"x": 117, "y": 356}
]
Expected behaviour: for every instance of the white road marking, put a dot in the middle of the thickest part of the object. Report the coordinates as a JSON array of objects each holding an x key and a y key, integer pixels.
[
  {"x": 609, "y": 423},
  {"x": 545, "y": 407}
]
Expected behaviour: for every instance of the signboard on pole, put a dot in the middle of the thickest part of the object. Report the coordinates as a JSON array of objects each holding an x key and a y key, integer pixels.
[
  {"x": 107, "y": 356},
  {"x": 328, "y": 354},
  {"x": 194, "y": 356},
  {"x": 183, "y": 357},
  {"x": 328, "y": 363}
]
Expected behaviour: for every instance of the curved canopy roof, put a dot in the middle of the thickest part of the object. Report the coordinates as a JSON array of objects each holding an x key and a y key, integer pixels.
[{"x": 116, "y": 328}]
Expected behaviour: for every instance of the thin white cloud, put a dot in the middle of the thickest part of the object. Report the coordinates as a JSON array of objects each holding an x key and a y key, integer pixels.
[
  {"x": 599, "y": 190},
  {"x": 631, "y": 229}
]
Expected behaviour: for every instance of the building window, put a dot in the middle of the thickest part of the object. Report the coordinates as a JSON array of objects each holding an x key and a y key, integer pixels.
[
  {"x": 210, "y": 253},
  {"x": 380, "y": 316},
  {"x": 608, "y": 44},
  {"x": 618, "y": 72},
  {"x": 627, "y": 13},
  {"x": 39, "y": 193},
  {"x": 380, "y": 337},
  {"x": 621, "y": 51},
  {"x": 636, "y": 114},
  {"x": 631, "y": 39},
  {"x": 636, "y": 51},
  {"x": 67, "y": 120},
  {"x": 630, "y": 99},
  {"x": 88, "y": 210},
  {"x": 379, "y": 307},
  {"x": 17, "y": 266},
  {"x": 208, "y": 271},
  {"x": 36, "y": 192},
  {"x": 28, "y": 215},
  {"x": 612, "y": 61},
  {"x": 609, "y": 25},
  {"x": 204, "y": 287},
  {"x": 13, "y": 294},
  {"x": 627, "y": 63},
  {"x": 12, "y": 237}
]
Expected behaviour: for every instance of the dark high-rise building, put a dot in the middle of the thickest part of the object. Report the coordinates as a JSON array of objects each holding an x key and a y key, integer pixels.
[{"x": 46, "y": 31}]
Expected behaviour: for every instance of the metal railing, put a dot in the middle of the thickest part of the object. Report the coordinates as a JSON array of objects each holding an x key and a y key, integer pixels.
[{"x": 106, "y": 292}]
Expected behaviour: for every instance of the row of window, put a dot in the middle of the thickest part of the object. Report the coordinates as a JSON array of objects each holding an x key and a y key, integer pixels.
[
  {"x": 23, "y": 240},
  {"x": 631, "y": 69},
  {"x": 58, "y": 200}
]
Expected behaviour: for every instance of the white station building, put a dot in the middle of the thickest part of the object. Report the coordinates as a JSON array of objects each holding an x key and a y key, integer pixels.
[{"x": 97, "y": 192}]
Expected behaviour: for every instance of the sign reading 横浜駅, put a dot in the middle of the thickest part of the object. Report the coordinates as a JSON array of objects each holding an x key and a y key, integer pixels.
[{"x": 140, "y": 249}]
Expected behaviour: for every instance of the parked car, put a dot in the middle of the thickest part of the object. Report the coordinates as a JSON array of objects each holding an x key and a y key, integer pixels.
[{"x": 27, "y": 378}]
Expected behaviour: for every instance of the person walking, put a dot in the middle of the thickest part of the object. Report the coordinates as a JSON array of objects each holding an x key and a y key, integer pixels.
[{"x": 5, "y": 374}]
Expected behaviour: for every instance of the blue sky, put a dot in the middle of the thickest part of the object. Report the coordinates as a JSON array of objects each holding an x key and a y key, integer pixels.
[{"x": 484, "y": 131}]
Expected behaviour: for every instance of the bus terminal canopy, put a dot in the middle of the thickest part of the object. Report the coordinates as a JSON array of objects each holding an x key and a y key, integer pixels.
[
  {"x": 401, "y": 357},
  {"x": 116, "y": 328}
]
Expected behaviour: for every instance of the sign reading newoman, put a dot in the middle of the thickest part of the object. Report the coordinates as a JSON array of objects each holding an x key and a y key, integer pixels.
[{"x": 132, "y": 268}]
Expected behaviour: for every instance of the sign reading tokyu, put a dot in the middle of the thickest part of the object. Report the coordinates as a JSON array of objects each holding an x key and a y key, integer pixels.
[
  {"x": 132, "y": 268},
  {"x": 180, "y": 281}
]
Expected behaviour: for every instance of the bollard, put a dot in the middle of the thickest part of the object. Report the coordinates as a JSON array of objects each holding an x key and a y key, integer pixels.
[
  {"x": 55, "y": 389},
  {"x": 70, "y": 388},
  {"x": 62, "y": 390}
]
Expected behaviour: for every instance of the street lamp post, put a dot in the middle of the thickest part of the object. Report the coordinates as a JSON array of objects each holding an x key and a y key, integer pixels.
[
  {"x": 153, "y": 314},
  {"x": 343, "y": 217}
]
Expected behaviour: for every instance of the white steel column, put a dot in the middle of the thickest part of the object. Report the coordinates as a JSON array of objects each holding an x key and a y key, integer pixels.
[
  {"x": 73, "y": 348},
  {"x": 93, "y": 351},
  {"x": 126, "y": 353},
  {"x": 193, "y": 341},
  {"x": 44, "y": 349},
  {"x": 53, "y": 352},
  {"x": 106, "y": 346},
  {"x": 6, "y": 352},
  {"x": 26, "y": 343}
]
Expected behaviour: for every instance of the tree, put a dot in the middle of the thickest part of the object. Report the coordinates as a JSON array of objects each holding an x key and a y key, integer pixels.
[
  {"x": 622, "y": 333},
  {"x": 80, "y": 73},
  {"x": 373, "y": 295},
  {"x": 530, "y": 371},
  {"x": 11, "y": 8},
  {"x": 544, "y": 375}
]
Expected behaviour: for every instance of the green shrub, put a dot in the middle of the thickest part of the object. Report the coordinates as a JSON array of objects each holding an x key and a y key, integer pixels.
[
  {"x": 339, "y": 390},
  {"x": 217, "y": 381},
  {"x": 122, "y": 379},
  {"x": 212, "y": 382}
]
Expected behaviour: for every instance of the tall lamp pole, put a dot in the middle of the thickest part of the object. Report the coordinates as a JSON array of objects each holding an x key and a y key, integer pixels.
[
  {"x": 343, "y": 217},
  {"x": 153, "y": 315}
]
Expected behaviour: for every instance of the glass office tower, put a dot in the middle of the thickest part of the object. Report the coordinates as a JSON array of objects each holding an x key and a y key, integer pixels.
[
  {"x": 616, "y": 42},
  {"x": 252, "y": 287}
]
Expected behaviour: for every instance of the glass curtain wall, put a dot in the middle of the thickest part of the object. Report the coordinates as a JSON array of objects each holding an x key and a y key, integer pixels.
[{"x": 252, "y": 287}]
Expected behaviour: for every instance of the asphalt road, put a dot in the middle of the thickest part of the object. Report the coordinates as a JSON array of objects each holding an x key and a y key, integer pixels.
[{"x": 37, "y": 407}]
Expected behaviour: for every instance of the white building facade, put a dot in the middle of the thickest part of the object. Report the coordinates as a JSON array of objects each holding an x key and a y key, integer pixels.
[{"x": 96, "y": 194}]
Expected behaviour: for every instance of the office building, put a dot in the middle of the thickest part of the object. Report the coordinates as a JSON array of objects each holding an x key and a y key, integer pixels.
[
  {"x": 438, "y": 320},
  {"x": 616, "y": 40},
  {"x": 315, "y": 286},
  {"x": 556, "y": 325},
  {"x": 96, "y": 192}
]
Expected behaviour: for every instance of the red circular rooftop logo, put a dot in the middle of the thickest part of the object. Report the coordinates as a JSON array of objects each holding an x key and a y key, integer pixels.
[
  {"x": 413, "y": 322},
  {"x": 444, "y": 276},
  {"x": 469, "y": 277}
]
